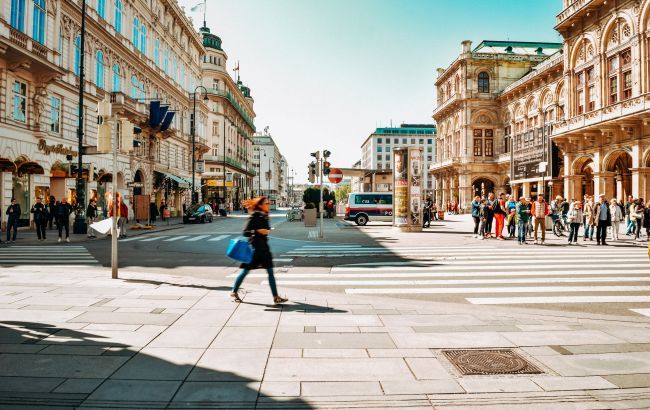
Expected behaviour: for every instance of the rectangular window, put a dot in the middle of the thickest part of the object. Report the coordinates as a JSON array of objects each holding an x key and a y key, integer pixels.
[
  {"x": 489, "y": 133},
  {"x": 215, "y": 129},
  {"x": 478, "y": 147},
  {"x": 613, "y": 90},
  {"x": 55, "y": 115},
  {"x": 592, "y": 97},
  {"x": 590, "y": 74},
  {"x": 626, "y": 58},
  {"x": 387, "y": 157},
  {"x": 395, "y": 140},
  {"x": 379, "y": 149},
  {"x": 506, "y": 144},
  {"x": 581, "y": 102},
  {"x": 378, "y": 140},
  {"x": 613, "y": 65},
  {"x": 478, "y": 133},
  {"x": 387, "y": 148},
  {"x": 627, "y": 85},
  {"x": 18, "y": 15},
  {"x": 421, "y": 141},
  {"x": 412, "y": 141},
  {"x": 489, "y": 147},
  {"x": 20, "y": 101},
  {"x": 378, "y": 157}
]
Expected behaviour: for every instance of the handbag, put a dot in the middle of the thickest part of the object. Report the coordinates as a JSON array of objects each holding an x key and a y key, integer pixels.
[{"x": 240, "y": 250}]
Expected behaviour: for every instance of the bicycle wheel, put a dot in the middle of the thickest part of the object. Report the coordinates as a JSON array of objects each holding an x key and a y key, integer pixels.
[{"x": 558, "y": 229}]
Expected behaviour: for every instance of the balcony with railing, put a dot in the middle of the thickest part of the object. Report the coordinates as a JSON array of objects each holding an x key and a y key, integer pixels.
[
  {"x": 449, "y": 102},
  {"x": 232, "y": 162},
  {"x": 22, "y": 50},
  {"x": 575, "y": 10},
  {"x": 233, "y": 101}
]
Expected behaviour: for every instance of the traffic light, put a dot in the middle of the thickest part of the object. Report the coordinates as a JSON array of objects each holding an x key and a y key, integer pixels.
[
  {"x": 326, "y": 167},
  {"x": 326, "y": 154},
  {"x": 73, "y": 170},
  {"x": 128, "y": 132},
  {"x": 312, "y": 172},
  {"x": 316, "y": 155},
  {"x": 104, "y": 132}
]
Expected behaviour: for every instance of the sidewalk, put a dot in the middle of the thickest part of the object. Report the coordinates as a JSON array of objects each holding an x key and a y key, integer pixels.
[
  {"x": 80, "y": 339},
  {"x": 28, "y": 236}
]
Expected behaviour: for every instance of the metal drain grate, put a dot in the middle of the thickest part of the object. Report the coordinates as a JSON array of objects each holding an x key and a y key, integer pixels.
[{"x": 489, "y": 362}]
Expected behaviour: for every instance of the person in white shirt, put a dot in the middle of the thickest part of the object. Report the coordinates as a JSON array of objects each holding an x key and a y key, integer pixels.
[{"x": 616, "y": 217}]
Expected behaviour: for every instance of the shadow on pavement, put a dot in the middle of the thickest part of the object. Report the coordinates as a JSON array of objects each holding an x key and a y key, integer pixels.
[
  {"x": 43, "y": 366},
  {"x": 158, "y": 283}
]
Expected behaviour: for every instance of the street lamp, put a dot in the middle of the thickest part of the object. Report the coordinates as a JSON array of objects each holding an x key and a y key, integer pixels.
[
  {"x": 270, "y": 174},
  {"x": 80, "y": 226},
  {"x": 259, "y": 173},
  {"x": 205, "y": 99}
]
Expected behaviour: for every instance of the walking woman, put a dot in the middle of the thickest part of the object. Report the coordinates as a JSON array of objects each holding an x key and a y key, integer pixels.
[
  {"x": 574, "y": 217},
  {"x": 617, "y": 218},
  {"x": 258, "y": 229}
]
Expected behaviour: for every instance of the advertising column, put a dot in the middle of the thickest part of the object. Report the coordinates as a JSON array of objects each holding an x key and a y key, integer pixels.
[{"x": 407, "y": 189}]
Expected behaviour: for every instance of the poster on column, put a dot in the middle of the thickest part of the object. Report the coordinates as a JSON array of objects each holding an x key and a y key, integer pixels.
[
  {"x": 415, "y": 186},
  {"x": 400, "y": 187}
]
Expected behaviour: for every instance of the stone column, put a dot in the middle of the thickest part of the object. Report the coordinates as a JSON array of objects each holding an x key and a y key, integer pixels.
[
  {"x": 525, "y": 189},
  {"x": 573, "y": 187},
  {"x": 465, "y": 192},
  {"x": 444, "y": 184},
  {"x": 640, "y": 182},
  {"x": 605, "y": 183}
]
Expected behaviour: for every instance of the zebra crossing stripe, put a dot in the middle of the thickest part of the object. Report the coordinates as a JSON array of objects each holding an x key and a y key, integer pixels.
[
  {"x": 197, "y": 238},
  {"x": 529, "y": 289},
  {"x": 175, "y": 238},
  {"x": 218, "y": 238},
  {"x": 133, "y": 238},
  {"x": 154, "y": 238},
  {"x": 443, "y": 274},
  {"x": 285, "y": 280},
  {"x": 435, "y": 264},
  {"x": 558, "y": 299}
]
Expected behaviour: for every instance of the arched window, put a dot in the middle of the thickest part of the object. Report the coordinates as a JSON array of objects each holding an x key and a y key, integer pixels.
[
  {"x": 136, "y": 32},
  {"x": 483, "y": 82},
  {"x": 134, "y": 87},
  {"x": 118, "y": 16},
  {"x": 18, "y": 14},
  {"x": 99, "y": 69},
  {"x": 39, "y": 21},
  {"x": 156, "y": 52},
  {"x": 143, "y": 39},
  {"x": 101, "y": 8},
  {"x": 117, "y": 79},
  {"x": 77, "y": 54}
]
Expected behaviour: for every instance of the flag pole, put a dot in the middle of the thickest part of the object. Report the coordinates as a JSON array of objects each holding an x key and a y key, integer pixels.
[{"x": 204, "y": 25}]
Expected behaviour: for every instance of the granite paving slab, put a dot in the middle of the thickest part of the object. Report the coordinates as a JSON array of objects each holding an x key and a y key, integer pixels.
[
  {"x": 427, "y": 368},
  {"x": 430, "y": 320},
  {"x": 154, "y": 363},
  {"x": 29, "y": 384},
  {"x": 348, "y": 369},
  {"x": 238, "y": 393},
  {"x": 576, "y": 337},
  {"x": 185, "y": 336},
  {"x": 81, "y": 386},
  {"x": 598, "y": 364},
  {"x": 230, "y": 365},
  {"x": 450, "y": 340},
  {"x": 501, "y": 385},
  {"x": 126, "y": 318},
  {"x": 554, "y": 383},
  {"x": 134, "y": 391},
  {"x": 340, "y": 388},
  {"x": 332, "y": 340},
  {"x": 26, "y": 365},
  {"x": 421, "y": 386},
  {"x": 331, "y": 319},
  {"x": 244, "y": 337}
]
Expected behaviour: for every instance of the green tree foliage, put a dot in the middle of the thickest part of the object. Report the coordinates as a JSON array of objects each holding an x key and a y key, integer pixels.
[{"x": 312, "y": 195}]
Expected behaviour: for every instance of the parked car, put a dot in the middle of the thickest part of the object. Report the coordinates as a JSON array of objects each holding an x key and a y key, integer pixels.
[{"x": 198, "y": 213}]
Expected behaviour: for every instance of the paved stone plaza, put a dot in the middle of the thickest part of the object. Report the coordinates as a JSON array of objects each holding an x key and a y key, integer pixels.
[{"x": 78, "y": 339}]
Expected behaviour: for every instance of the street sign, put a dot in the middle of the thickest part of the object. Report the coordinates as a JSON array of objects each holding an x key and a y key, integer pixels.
[{"x": 335, "y": 176}]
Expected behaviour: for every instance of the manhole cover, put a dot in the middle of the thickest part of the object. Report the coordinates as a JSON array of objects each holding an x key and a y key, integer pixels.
[{"x": 473, "y": 362}]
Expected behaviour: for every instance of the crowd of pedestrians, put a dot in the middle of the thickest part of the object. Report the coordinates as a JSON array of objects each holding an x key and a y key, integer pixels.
[{"x": 526, "y": 219}]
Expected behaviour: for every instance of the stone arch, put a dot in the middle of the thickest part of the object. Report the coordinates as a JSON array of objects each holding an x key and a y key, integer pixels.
[
  {"x": 139, "y": 177},
  {"x": 644, "y": 16},
  {"x": 614, "y": 32},
  {"x": 484, "y": 116},
  {"x": 545, "y": 99},
  {"x": 584, "y": 50},
  {"x": 483, "y": 185},
  {"x": 530, "y": 106},
  {"x": 609, "y": 160},
  {"x": 618, "y": 185},
  {"x": 579, "y": 163},
  {"x": 120, "y": 180}
]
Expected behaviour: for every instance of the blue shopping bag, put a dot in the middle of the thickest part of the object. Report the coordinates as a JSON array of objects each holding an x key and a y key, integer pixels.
[{"x": 240, "y": 250}]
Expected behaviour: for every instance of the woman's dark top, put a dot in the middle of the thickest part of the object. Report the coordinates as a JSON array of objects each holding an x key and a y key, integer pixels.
[{"x": 262, "y": 257}]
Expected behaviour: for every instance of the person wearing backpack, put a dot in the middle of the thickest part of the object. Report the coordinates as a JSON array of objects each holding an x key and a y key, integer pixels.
[
  {"x": 476, "y": 214},
  {"x": 258, "y": 229}
]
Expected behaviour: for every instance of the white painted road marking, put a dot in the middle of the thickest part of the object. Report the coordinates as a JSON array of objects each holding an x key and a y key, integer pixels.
[
  {"x": 559, "y": 299},
  {"x": 155, "y": 238},
  {"x": 175, "y": 238},
  {"x": 529, "y": 289},
  {"x": 218, "y": 238},
  {"x": 197, "y": 238}
]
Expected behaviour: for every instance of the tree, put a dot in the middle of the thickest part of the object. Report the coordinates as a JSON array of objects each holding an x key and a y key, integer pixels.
[{"x": 342, "y": 193}]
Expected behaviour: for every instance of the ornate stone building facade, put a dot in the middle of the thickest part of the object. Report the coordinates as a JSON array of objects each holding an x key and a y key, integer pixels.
[
  {"x": 572, "y": 122},
  {"x": 135, "y": 52},
  {"x": 229, "y": 168},
  {"x": 472, "y": 151}
]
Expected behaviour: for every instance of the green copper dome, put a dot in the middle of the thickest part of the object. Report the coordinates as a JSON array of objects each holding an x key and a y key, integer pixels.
[{"x": 210, "y": 40}]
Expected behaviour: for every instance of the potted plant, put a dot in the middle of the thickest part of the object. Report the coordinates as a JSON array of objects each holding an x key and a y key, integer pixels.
[{"x": 310, "y": 214}]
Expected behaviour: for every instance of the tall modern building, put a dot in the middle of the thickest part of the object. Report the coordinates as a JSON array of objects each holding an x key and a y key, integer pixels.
[
  {"x": 377, "y": 148},
  {"x": 135, "y": 53}
]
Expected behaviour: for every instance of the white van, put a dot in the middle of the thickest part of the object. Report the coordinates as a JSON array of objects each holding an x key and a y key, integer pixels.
[{"x": 369, "y": 206}]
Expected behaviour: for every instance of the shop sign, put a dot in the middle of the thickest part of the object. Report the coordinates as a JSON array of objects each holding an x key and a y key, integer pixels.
[
  {"x": 55, "y": 149},
  {"x": 212, "y": 182}
]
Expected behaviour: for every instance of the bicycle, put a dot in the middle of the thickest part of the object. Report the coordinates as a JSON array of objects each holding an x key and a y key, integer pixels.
[{"x": 560, "y": 226}]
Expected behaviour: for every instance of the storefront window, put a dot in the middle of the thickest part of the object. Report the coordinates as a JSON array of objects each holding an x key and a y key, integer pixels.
[
  {"x": 20, "y": 191},
  {"x": 55, "y": 115}
]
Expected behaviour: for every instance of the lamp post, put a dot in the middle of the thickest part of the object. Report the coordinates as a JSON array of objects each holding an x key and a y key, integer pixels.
[
  {"x": 80, "y": 226},
  {"x": 205, "y": 99},
  {"x": 270, "y": 174},
  {"x": 259, "y": 174}
]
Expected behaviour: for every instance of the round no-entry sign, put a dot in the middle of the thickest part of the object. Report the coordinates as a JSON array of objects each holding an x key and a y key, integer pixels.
[{"x": 335, "y": 176}]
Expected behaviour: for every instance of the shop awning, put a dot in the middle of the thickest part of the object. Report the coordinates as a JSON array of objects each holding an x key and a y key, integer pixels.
[{"x": 182, "y": 182}]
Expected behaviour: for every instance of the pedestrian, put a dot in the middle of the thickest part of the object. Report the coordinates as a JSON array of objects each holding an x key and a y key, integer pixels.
[
  {"x": 539, "y": 212},
  {"x": 529, "y": 225},
  {"x": 483, "y": 212},
  {"x": 512, "y": 223},
  {"x": 500, "y": 213},
  {"x": 628, "y": 221},
  {"x": 617, "y": 217},
  {"x": 40, "y": 218},
  {"x": 62, "y": 214},
  {"x": 257, "y": 229},
  {"x": 434, "y": 211},
  {"x": 91, "y": 217},
  {"x": 13, "y": 215},
  {"x": 602, "y": 219},
  {"x": 153, "y": 212},
  {"x": 490, "y": 207},
  {"x": 230, "y": 208},
  {"x": 124, "y": 216},
  {"x": 50, "y": 215},
  {"x": 639, "y": 212},
  {"x": 476, "y": 214},
  {"x": 523, "y": 215},
  {"x": 574, "y": 217},
  {"x": 646, "y": 222},
  {"x": 588, "y": 216},
  {"x": 163, "y": 206},
  {"x": 428, "y": 209}
]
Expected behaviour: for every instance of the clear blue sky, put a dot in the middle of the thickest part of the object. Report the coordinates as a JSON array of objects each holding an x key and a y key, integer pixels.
[{"x": 325, "y": 74}]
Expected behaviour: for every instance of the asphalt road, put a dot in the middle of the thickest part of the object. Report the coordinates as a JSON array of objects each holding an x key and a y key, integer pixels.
[{"x": 442, "y": 264}]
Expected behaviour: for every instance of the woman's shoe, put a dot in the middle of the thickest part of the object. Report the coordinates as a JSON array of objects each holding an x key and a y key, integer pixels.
[
  {"x": 279, "y": 299},
  {"x": 235, "y": 297}
]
